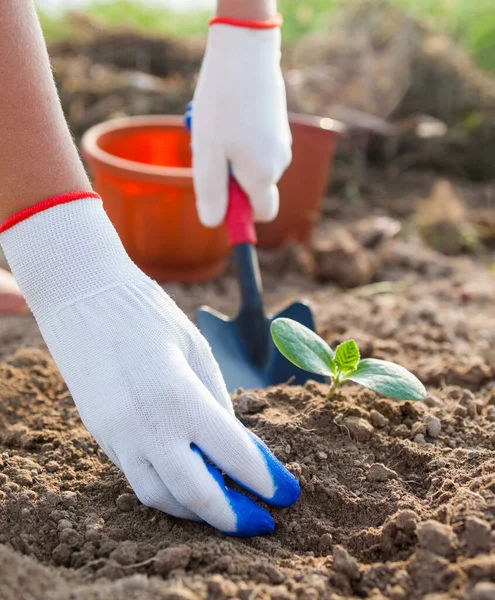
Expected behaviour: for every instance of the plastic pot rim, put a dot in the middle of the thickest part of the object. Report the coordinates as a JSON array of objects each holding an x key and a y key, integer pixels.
[{"x": 181, "y": 176}]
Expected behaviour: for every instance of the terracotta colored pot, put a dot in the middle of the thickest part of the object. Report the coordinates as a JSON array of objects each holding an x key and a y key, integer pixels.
[
  {"x": 141, "y": 166},
  {"x": 302, "y": 188}
]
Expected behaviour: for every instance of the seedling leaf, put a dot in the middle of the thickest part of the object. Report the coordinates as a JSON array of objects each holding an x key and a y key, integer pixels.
[
  {"x": 303, "y": 347},
  {"x": 388, "y": 379},
  {"x": 347, "y": 356}
]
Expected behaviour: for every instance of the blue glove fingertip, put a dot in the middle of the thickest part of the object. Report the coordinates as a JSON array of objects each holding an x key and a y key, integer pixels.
[
  {"x": 287, "y": 489},
  {"x": 251, "y": 520}
]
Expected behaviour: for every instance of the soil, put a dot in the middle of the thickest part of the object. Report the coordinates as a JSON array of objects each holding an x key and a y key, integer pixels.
[
  {"x": 398, "y": 499},
  {"x": 378, "y": 59}
]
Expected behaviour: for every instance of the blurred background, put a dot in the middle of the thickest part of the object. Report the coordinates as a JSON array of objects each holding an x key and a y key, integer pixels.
[
  {"x": 470, "y": 22},
  {"x": 413, "y": 81}
]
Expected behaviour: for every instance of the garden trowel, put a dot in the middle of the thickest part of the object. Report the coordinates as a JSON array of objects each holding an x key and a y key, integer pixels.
[{"x": 242, "y": 345}]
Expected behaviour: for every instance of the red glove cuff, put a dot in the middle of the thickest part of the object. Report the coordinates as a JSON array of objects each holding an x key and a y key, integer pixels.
[
  {"x": 249, "y": 24},
  {"x": 25, "y": 213}
]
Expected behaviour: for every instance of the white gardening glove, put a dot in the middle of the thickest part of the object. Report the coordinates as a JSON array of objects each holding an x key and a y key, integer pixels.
[
  {"x": 142, "y": 376},
  {"x": 240, "y": 117}
]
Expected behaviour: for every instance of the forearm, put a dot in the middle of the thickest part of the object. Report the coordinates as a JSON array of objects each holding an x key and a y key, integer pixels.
[
  {"x": 38, "y": 158},
  {"x": 247, "y": 9}
]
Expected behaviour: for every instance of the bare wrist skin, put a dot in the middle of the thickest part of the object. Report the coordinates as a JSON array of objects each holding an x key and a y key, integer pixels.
[
  {"x": 259, "y": 10},
  {"x": 38, "y": 158}
]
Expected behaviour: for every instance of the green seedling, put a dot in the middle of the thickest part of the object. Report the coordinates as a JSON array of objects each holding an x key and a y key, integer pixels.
[{"x": 308, "y": 351}]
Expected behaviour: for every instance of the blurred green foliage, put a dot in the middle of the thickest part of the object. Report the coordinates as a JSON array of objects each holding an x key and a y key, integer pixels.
[
  {"x": 127, "y": 13},
  {"x": 470, "y": 22}
]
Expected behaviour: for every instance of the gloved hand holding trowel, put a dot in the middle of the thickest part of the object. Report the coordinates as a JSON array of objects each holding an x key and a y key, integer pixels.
[{"x": 142, "y": 376}]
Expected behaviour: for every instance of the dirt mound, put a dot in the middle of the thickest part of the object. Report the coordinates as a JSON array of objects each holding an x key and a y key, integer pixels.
[
  {"x": 107, "y": 73},
  {"x": 396, "y": 499},
  {"x": 379, "y": 60}
]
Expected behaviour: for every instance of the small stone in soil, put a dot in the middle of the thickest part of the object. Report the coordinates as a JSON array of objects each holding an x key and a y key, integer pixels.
[
  {"x": 378, "y": 420},
  {"x": 168, "y": 559},
  {"x": 92, "y": 535},
  {"x": 61, "y": 555},
  {"x": 343, "y": 562},
  {"x": 342, "y": 260},
  {"x": 433, "y": 426},
  {"x": 359, "y": 428},
  {"x": 23, "y": 477},
  {"x": 274, "y": 575},
  {"x": 477, "y": 535},
  {"x": 401, "y": 431},
  {"x": 379, "y": 472},
  {"x": 52, "y": 498},
  {"x": 322, "y": 455},
  {"x": 126, "y": 502},
  {"x": 52, "y": 466},
  {"x": 460, "y": 411},
  {"x": 64, "y": 524},
  {"x": 250, "y": 404},
  {"x": 437, "y": 538},
  {"x": 71, "y": 538},
  {"x": 482, "y": 591},
  {"x": 490, "y": 413},
  {"x": 56, "y": 515},
  {"x": 69, "y": 498},
  {"x": 406, "y": 520},
  {"x": 420, "y": 439},
  {"x": 433, "y": 402},
  {"x": 125, "y": 553}
]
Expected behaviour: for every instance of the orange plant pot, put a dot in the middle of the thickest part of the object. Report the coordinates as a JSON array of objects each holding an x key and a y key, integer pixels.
[
  {"x": 141, "y": 167},
  {"x": 302, "y": 187}
]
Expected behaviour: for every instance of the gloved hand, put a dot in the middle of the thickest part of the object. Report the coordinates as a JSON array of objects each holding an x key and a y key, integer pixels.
[
  {"x": 240, "y": 117},
  {"x": 142, "y": 376}
]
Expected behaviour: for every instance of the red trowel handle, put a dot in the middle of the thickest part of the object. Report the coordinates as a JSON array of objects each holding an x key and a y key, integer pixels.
[{"x": 239, "y": 219}]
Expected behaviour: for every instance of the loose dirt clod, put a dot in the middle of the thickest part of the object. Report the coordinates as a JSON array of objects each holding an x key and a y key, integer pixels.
[
  {"x": 360, "y": 429},
  {"x": 482, "y": 591},
  {"x": 52, "y": 466},
  {"x": 433, "y": 426},
  {"x": 378, "y": 420},
  {"x": 343, "y": 562},
  {"x": 125, "y": 553},
  {"x": 477, "y": 535},
  {"x": 169, "y": 559},
  {"x": 406, "y": 520},
  {"x": 342, "y": 260},
  {"x": 437, "y": 538},
  {"x": 460, "y": 411},
  {"x": 379, "y": 472},
  {"x": 126, "y": 502},
  {"x": 250, "y": 404}
]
